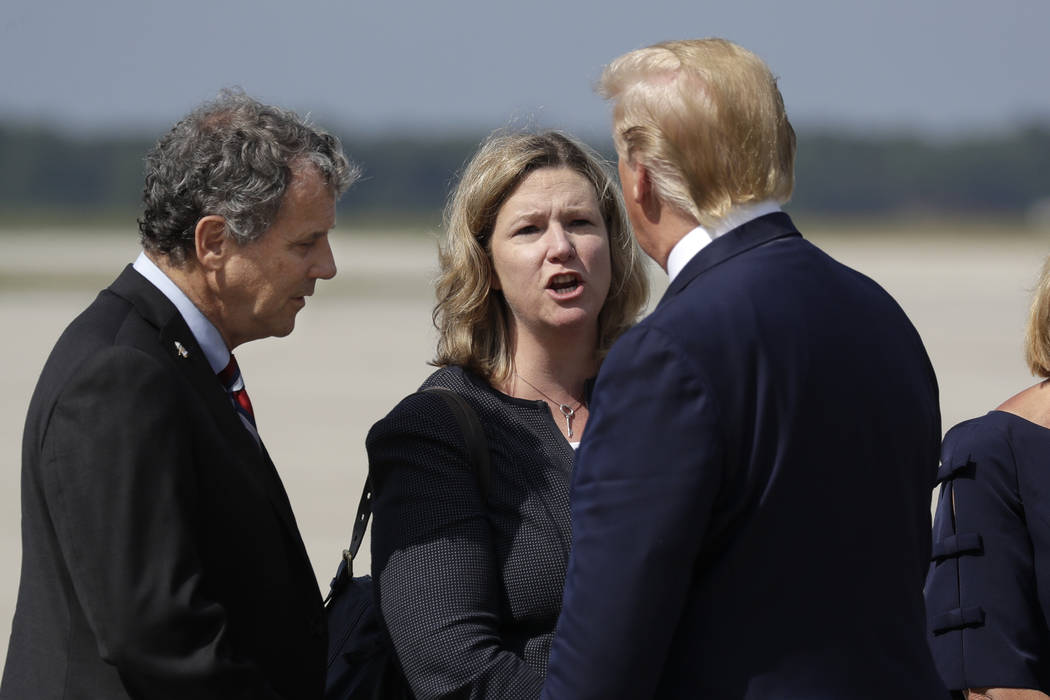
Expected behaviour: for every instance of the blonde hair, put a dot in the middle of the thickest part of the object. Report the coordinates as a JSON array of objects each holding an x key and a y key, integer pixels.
[
  {"x": 1037, "y": 333},
  {"x": 706, "y": 119},
  {"x": 471, "y": 317}
]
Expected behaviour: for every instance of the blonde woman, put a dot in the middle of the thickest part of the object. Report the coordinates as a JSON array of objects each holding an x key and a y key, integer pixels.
[
  {"x": 988, "y": 590},
  {"x": 538, "y": 276}
]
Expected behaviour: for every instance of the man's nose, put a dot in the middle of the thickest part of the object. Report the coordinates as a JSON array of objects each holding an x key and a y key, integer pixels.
[{"x": 324, "y": 268}]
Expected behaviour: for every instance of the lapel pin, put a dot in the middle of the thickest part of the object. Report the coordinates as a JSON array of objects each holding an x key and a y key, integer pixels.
[{"x": 183, "y": 353}]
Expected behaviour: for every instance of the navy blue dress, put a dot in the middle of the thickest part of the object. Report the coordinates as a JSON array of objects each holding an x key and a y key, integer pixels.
[{"x": 988, "y": 589}]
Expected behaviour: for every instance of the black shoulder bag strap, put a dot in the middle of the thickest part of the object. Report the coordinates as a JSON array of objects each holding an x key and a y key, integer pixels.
[{"x": 477, "y": 450}]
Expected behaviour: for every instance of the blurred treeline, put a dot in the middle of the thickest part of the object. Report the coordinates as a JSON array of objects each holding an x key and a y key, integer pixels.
[{"x": 47, "y": 174}]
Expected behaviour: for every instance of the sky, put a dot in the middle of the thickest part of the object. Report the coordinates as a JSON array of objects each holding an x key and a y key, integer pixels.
[{"x": 931, "y": 66}]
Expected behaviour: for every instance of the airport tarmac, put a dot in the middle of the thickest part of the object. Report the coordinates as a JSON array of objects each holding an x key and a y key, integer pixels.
[{"x": 364, "y": 339}]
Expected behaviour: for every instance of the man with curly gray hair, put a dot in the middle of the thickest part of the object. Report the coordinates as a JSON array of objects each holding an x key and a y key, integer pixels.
[{"x": 161, "y": 558}]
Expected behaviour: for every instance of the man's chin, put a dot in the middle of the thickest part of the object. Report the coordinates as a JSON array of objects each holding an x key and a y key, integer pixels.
[
  {"x": 282, "y": 330},
  {"x": 287, "y": 330}
]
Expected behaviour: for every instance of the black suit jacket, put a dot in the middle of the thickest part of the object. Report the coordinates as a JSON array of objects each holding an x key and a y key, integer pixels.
[
  {"x": 750, "y": 504},
  {"x": 160, "y": 556}
]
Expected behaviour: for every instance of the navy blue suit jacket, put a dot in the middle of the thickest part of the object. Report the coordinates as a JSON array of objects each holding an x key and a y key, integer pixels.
[{"x": 751, "y": 501}]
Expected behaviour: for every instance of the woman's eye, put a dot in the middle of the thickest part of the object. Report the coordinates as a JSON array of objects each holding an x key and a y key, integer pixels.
[{"x": 525, "y": 230}]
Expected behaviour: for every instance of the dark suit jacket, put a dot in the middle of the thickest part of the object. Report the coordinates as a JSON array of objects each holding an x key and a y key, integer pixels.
[
  {"x": 160, "y": 557},
  {"x": 751, "y": 499},
  {"x": 470, "y": 584}
]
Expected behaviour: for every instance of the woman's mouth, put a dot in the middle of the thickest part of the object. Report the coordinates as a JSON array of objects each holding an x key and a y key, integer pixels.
[{"x": 564, "y": 285}]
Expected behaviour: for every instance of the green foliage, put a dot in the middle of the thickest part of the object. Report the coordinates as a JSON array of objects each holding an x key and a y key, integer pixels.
[
  {"x": 993, "y": 174},
  {"x": 42, "y": 168},
  {"x": 408, "y": 177},
  {"x": 404, "y": 175}
]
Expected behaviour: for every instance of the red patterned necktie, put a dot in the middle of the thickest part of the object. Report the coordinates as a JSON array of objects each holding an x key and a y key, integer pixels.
[{"x": 231, "y": 379}]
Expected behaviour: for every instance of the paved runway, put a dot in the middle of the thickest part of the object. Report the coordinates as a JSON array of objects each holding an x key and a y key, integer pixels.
[{"x": 365, "y": 337}]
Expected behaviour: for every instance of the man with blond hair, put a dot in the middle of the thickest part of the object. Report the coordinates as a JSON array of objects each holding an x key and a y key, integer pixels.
[{"x": 751, "y": 500}]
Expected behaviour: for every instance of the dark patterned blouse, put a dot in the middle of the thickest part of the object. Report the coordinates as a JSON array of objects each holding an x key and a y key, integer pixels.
[{"x": 470, "y": 584}]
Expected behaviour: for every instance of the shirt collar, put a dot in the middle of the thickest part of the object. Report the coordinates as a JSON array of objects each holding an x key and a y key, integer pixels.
[
  {"x": 694, "y": 241},
  {"x": 205, "y": 333}
]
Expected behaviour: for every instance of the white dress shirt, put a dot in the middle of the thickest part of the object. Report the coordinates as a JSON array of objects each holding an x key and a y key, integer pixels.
[
  {"x": 694, "y": 241},
  {"x": 206, "y": 334}
]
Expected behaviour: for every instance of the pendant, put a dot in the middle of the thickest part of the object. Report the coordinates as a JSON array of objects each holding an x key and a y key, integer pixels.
[{"x": 569, "y": 413}]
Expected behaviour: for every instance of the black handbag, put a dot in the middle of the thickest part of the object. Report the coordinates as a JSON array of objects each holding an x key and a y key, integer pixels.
[{"x": 361, "y": 664}]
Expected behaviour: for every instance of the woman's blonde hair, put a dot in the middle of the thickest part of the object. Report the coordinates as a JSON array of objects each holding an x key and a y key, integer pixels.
[
  {"x": 470, "y": 316},
  {"x": 1037, "y": 334},
  {"x": 706, "y": 119}
]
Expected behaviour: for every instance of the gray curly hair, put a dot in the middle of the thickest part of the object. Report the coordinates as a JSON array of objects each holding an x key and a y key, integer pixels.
[{"x": 233, "y": 157}]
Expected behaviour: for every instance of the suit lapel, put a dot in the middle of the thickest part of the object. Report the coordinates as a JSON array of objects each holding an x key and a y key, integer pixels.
[
  {"x": 178, "y": 342},
  {"x": 743, "y": 238}
]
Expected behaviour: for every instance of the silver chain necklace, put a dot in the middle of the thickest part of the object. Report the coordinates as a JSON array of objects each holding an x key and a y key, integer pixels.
[{"x": 569, "y": 412}]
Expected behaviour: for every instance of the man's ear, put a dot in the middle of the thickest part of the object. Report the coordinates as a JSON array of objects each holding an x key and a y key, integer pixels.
[
  {"x": 212, "y": 244},
  {"x": 642, "y": 191},
  {"x": 641, "y": 184}
]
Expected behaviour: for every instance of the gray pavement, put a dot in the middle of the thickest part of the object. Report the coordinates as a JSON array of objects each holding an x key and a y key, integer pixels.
[{"x": 365, "y": 337}]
